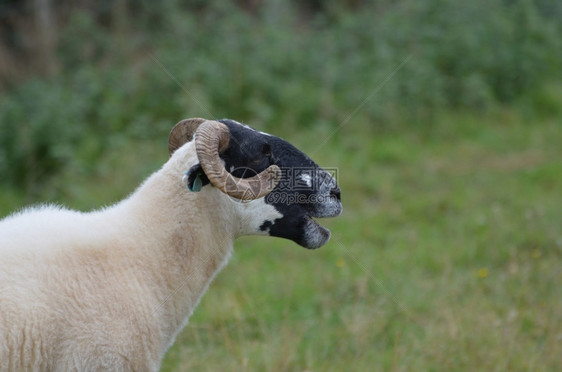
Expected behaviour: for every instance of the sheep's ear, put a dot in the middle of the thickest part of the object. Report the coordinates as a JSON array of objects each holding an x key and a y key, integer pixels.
[
  {"x": 196, "y": 178},
  {"x": 182, "y": 132}
]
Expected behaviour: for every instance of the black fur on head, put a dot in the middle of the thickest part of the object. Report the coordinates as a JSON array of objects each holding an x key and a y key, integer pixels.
[{"x": 305, "y": 190}]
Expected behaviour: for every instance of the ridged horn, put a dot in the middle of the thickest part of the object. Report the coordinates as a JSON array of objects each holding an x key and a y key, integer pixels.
[
  {"x": 182, "y": 132},
  {"x": 211, "y": 139}
]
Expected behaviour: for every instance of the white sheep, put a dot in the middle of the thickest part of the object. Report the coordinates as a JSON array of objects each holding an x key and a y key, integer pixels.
[{"x": 110, "y": 289}]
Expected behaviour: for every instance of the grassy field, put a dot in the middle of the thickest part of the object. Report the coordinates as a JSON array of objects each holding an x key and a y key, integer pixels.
[{"x": 447, "y": 255}]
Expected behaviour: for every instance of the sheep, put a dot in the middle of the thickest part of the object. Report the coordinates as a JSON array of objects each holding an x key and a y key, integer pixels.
[{"x": 110, "y": 289}]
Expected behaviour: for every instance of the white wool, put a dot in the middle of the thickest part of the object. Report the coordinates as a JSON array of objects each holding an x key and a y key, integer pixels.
[{"x": 110, "y": 289}]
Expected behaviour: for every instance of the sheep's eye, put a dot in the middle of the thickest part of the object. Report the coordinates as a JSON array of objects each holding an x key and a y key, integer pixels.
[{"x": 266, "y": 150}]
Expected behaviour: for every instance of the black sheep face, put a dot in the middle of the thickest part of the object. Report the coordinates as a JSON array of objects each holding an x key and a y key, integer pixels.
[{"x": 304, "y": 192}]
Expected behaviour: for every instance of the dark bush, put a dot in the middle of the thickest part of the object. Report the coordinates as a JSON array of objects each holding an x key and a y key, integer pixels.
[{"x": 134, "y": 72}]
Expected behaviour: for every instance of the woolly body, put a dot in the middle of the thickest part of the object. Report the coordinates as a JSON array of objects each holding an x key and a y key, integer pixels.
[{"x": 111, "y": 289}]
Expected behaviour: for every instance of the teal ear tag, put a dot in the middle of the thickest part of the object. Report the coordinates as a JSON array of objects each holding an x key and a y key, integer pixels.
[{"x": 197, "y": 184}]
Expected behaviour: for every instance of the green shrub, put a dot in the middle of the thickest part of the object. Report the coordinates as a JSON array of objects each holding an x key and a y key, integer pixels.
[
  {"x": 284, "y": 63},
  {"x": 37, "y": 131}
]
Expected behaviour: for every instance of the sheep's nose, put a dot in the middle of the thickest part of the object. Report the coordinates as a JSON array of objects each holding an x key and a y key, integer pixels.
[{"x": 335, "y": 191}]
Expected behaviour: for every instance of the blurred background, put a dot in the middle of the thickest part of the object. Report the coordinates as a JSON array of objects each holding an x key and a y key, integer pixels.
[{"x": 443, "y": 118}]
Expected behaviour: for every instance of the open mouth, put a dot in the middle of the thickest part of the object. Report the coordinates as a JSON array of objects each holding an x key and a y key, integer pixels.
[{"x": 317, "y": 235}]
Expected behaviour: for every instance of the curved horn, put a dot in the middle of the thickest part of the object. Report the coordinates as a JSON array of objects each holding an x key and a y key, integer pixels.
[
  {"x": 211, "y": 139},
  {"x": 182, "y": 132}
]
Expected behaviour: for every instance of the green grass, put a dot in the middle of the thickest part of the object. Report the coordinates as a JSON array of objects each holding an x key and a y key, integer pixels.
[{"x": 447, "y": 256}]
